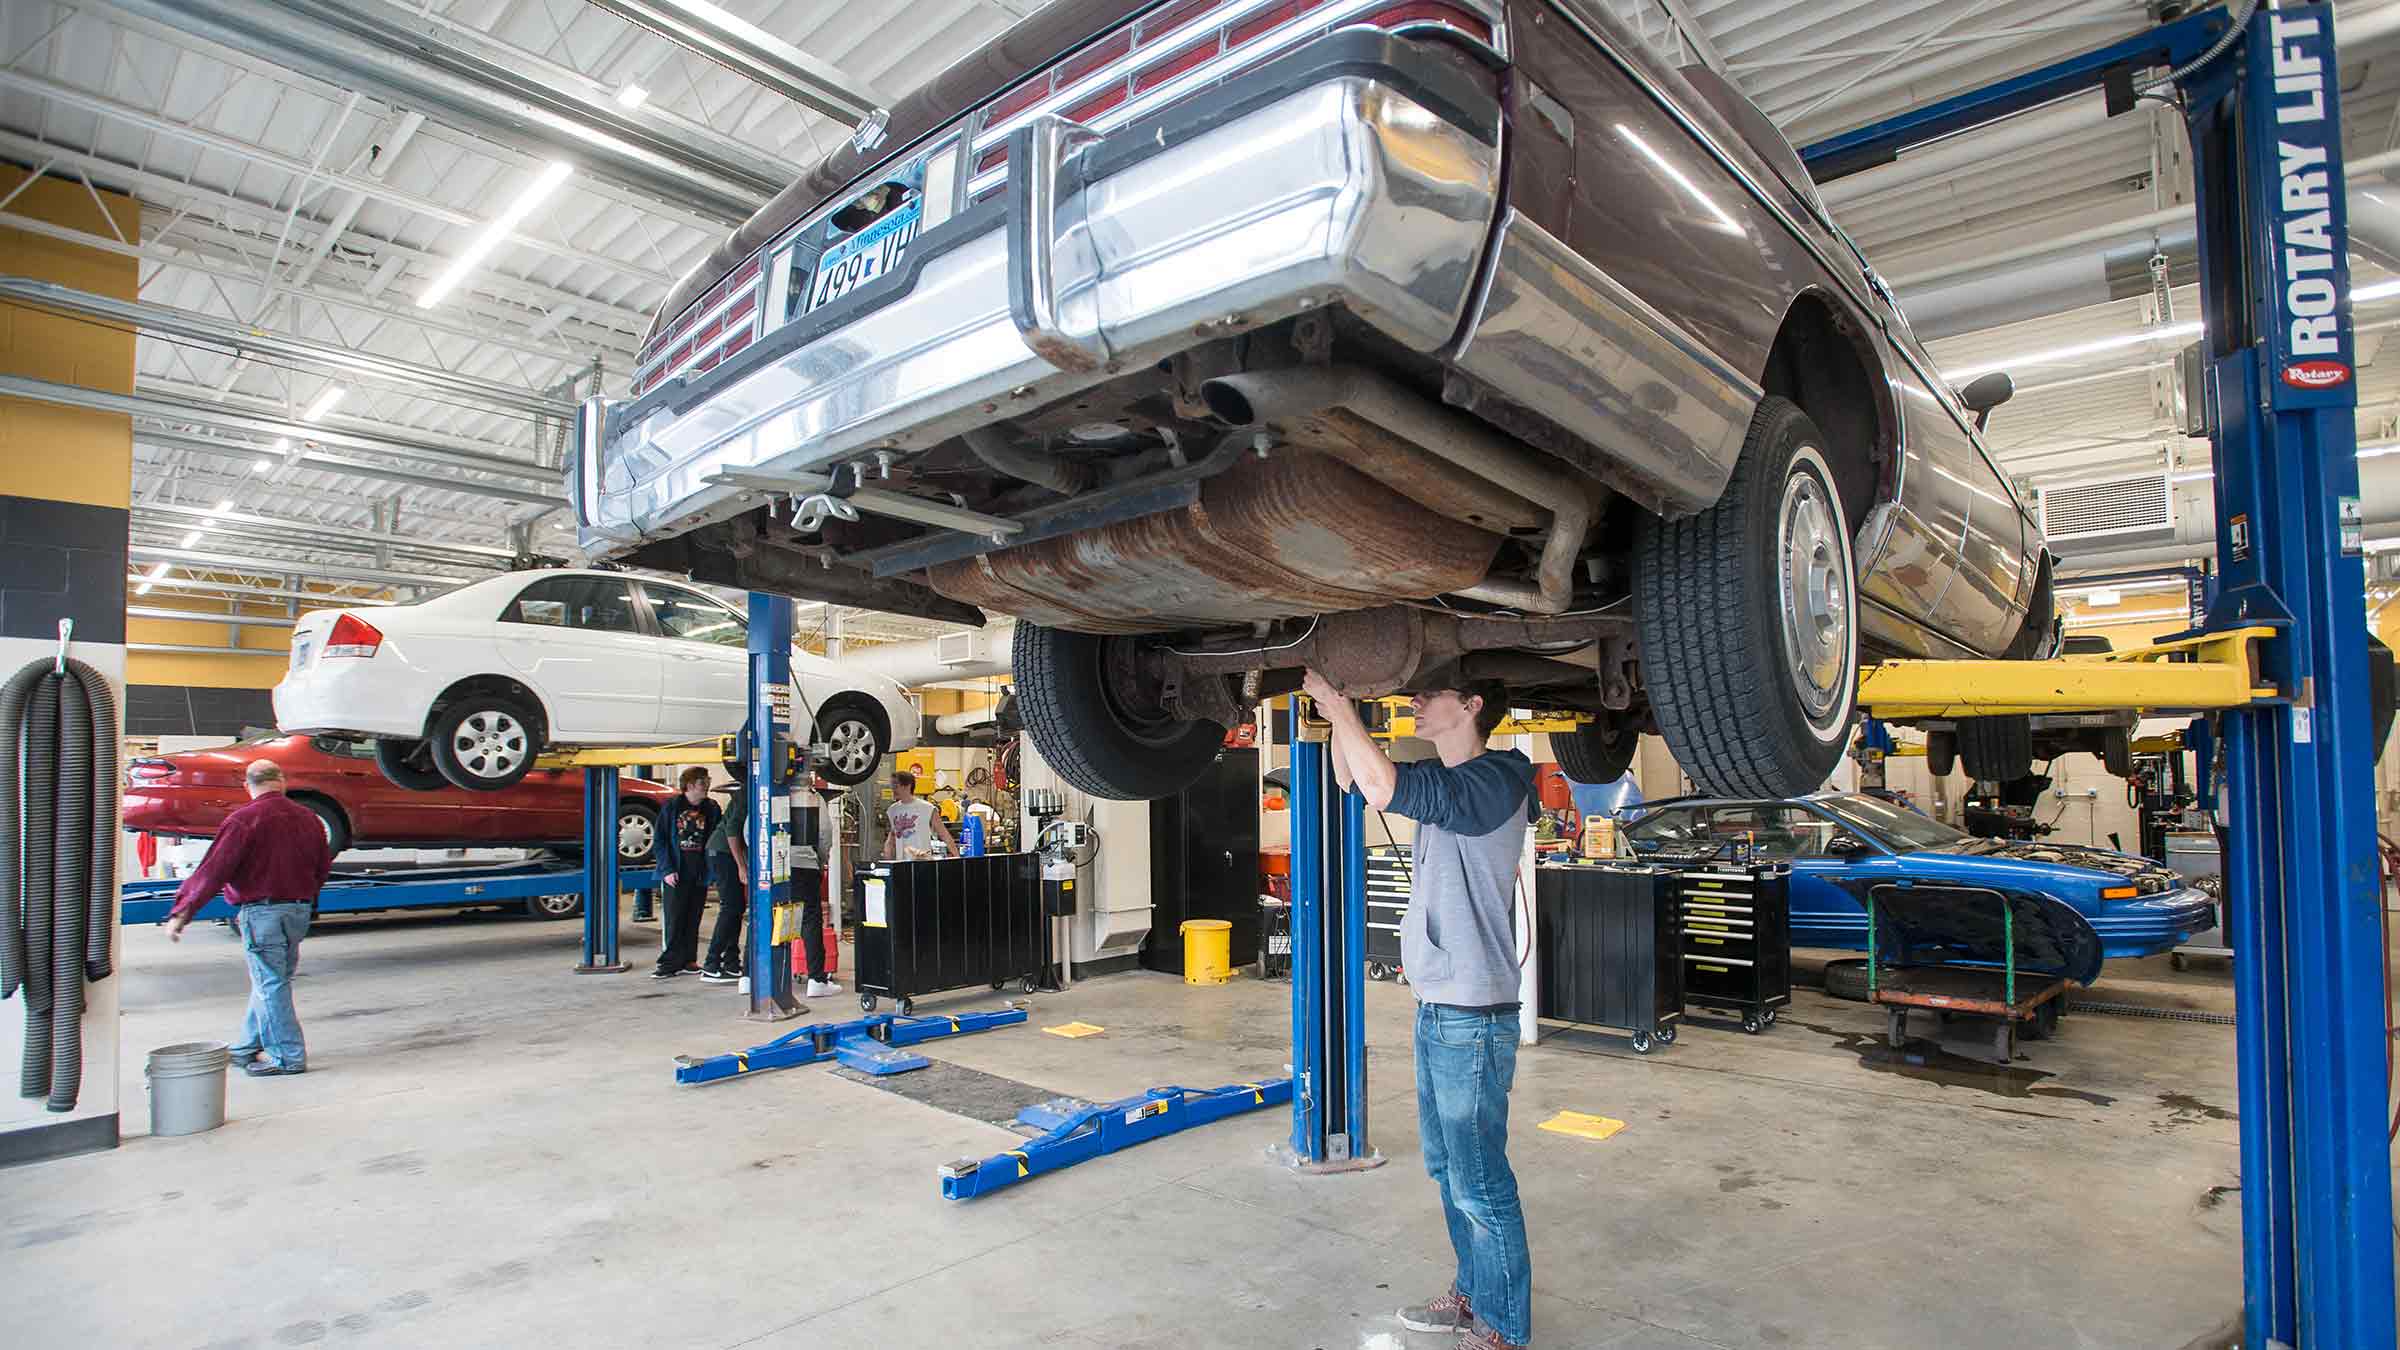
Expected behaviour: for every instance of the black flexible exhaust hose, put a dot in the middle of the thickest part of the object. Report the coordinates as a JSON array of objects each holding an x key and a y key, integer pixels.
[{"x": 58, "y": 861}]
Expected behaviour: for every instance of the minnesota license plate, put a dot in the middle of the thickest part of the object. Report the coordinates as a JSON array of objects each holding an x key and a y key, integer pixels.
[{"x": 864, "y": 256}]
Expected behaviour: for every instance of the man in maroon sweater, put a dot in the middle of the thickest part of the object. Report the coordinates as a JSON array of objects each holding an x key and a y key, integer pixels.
[{"x": 270, "y": 859}]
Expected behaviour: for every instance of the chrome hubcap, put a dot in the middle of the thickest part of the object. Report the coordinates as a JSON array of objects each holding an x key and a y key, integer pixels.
[
  {"x": 634, "y": 835},
  {"x": 490, "y": 744},
  {"x": 851, "y": 746},
  {"x": 1814, "y": 596}
]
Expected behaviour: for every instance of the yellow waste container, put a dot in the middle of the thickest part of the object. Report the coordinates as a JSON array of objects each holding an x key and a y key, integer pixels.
[{"x": 1207, "y": 951}]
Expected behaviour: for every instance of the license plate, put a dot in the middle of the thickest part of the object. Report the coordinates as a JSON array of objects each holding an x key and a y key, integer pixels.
[
  {"x": 864, "y": 256},
  {"x": 302, "y": 645}
]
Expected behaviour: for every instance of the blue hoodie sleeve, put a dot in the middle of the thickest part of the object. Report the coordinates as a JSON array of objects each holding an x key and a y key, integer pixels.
[{"x": 1475, "y": 798}]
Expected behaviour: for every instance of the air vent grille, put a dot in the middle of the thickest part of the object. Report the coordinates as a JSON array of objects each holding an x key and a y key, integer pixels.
[{"x": 2113, "y": 508}]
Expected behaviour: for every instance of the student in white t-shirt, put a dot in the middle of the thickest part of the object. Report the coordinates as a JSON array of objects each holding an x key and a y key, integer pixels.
[{"x": 911, "y": 822}]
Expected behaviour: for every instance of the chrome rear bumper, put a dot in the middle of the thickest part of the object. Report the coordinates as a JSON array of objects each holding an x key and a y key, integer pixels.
[{"x": 1345, "y": 192}]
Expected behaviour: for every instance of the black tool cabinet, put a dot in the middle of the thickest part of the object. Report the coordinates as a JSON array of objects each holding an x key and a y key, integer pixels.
[
  {"x": 1605, "y": 938},
  {"x": 1387, "y": 906},
  {"x": 1734, "y": 923},
  {"x": 949, "y": 923}
]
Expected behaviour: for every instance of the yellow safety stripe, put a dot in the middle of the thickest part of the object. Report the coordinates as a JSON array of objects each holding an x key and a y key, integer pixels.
[
  {"x": 741, "y": 1062},
  {"x": 1023, "y": 1170},
  {"x": 1258, "y": 1095}
]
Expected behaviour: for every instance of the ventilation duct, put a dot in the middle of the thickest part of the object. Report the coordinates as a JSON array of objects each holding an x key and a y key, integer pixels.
[{"x": 2133, "y": 510}]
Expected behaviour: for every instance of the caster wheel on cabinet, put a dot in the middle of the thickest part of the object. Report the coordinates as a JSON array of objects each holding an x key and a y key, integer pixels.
[
  {"x": 906, "y": 1006},
  {"x": 1641, "y": 1042},
  {"x": 866, "y": 1003},
  {"x": 1753, "y": 1024}
]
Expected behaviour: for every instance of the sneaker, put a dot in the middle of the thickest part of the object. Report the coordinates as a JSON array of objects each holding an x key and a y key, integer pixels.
[
  {"x": 1449, "y": 1312},
  {"x": 1482, "y": 1337},
  {"x": 267, "y": 1068},
  {"x": 720, "y": 976},
  {"x": 823, "y": 989},
  {"x": 662, "y": 973},
  {"x": 238, "y": 1056}
]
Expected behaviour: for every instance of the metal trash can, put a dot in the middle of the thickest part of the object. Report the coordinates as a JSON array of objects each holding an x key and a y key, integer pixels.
[{"x": 187, "y": 1087}]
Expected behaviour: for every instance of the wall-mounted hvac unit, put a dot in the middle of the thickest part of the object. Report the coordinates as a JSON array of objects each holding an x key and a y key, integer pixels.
[
  {"x": 2133, "y": 510},
  {"x": 962, "y": 649}
]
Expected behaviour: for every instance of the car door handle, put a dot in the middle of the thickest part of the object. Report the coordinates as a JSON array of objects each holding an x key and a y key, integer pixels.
[{"x": 687, "y": 656}]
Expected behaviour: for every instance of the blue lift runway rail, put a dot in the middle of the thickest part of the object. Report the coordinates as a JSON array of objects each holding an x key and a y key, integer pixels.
[
  {"x": 425, "y": 888},
  {"x": 1083, "y": 1133},
  {"x": 2262, "y": 105},
  {"x": 871, "y": 1044}
]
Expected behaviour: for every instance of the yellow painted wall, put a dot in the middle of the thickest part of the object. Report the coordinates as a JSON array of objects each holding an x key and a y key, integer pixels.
[
  {"x": 207, "y": 670},
  {"x": 54, "y": 453}
]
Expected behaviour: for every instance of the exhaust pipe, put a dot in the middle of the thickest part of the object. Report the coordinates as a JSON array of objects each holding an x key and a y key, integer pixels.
[
  {"x": 1058, "y": 475},
  {"x": 1254, "y": 398}
]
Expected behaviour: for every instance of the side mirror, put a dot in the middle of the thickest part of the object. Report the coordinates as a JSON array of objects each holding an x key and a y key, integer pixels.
[
  {"x": 1848, "y": 846},
  {"x": 1986, "y": 392}
]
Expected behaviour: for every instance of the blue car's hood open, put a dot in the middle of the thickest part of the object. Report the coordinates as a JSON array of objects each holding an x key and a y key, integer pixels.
[{"x": 1923, "y": 922}]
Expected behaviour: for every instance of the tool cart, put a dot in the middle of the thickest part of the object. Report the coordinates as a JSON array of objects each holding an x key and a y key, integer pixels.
[
  {"x": 1970, "y": 951},
  {"x": 1605, "y": 938},
  {"x": 1735, "y": 925}
]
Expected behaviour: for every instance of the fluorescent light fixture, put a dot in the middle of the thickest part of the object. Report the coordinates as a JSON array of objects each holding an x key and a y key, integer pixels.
[
  {"x": 632, "y": 96},
  {"x": 334, "y": 393},
  {"x": 2106, "y": 599},
  {"x": 2143, "y": 616},
  {"x": 2378, "y": 291},
  {"x": 261, "y": 466},
  {"x": 501, "y": 226},
  {"x": 191, "y": 539},
  {"x": 1690, "y": 188},
  {"x": 2054, "y": 355},
  {"x": 143, "y": 589}
]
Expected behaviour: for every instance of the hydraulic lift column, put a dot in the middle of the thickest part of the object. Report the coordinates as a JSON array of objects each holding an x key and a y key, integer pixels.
[
  {"x": 1329, "y": 956},
  {"x": 600, "y": 873},
  {"x": 769, "y": 829}
]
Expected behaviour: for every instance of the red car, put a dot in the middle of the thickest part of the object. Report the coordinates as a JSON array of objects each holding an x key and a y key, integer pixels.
[{"x": 190, "y": 793}]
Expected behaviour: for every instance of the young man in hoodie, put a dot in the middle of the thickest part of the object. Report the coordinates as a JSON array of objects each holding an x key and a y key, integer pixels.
[{"x": 1459, "y": 946}]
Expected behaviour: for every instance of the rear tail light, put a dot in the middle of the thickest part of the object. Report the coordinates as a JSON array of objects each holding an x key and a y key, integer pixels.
[
  {"x": 352, "y": 636},
  {"x": 151, "y": 769}
]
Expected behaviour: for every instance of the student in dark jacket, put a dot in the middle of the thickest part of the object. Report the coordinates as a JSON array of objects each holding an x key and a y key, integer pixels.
[{"x": 695, "y": 818}]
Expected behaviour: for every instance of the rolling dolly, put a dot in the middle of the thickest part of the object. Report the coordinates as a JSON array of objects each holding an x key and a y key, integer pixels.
[
  {"x": 1082, "y": 1131},
  {"x": 870, "y": 1044},
  {"x": 1973, "y": 951}
]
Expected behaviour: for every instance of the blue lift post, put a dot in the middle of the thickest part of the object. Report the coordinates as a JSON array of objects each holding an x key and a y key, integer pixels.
[
  {"x": 770, "y": 825},
  {"x": 601, "y": 875},
  {"x": 1329, "y": 944},
  {"x": 2300, "y": 865}
]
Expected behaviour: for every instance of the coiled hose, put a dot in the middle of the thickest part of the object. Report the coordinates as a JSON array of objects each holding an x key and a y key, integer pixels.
[{"x": 58, "y": 861}]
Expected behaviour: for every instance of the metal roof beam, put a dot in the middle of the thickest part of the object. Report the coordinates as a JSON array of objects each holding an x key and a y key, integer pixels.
[
  {"x": 312, "y": 547},
  {"x": 362, "y": 538},
  {"x": 240, "y": 339},
  {"x": 203, "y": 616},
  {"x": 487, "y": 89},
  {"x": 196, "y": 586},
  {"x": 756, "y": 55},
  {"x": 344, "y": 464},
  {"x": 234, "y": 562}
]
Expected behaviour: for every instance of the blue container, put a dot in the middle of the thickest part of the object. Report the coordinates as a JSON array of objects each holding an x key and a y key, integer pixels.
[{"x": 970, "y": 834}]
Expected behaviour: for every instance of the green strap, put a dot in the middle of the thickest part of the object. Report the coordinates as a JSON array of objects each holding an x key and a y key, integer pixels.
[
  {"x": 1870, "y": 944},
  {"x": 2008, "y": 946}
]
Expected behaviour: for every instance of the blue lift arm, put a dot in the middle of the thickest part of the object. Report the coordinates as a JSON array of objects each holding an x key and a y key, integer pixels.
[
  {"x": 426, "y": 888},
  {"x": 870, "y": 1044},
  {"x": 1088, "y": 1133}
]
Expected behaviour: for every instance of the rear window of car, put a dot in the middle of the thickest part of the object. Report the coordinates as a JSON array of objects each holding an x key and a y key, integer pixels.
[{"x": 594, "y": 604}]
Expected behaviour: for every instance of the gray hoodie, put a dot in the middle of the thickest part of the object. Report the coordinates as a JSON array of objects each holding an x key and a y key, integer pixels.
[{"x": 1459, "y": 941}]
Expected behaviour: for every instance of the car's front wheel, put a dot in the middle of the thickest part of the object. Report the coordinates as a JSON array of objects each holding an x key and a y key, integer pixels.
[
  {"x": 1099, "y": 724},
  {"x": 1599, "y": 751},
  {"x": 850, "y": 727},
  {"x": 337, "y": 829},
  {"x": 409, "y": 765},
  {"x": 1748, "y": 619},
  {"x": 484, "y": 742}
]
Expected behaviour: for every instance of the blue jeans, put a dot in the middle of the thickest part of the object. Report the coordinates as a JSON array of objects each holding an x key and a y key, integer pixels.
[
  {"x": 1466, "y": 1062},
  {"x": 271, "y": 933}
]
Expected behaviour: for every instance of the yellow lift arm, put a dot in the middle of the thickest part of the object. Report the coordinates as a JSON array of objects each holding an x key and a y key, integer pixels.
[{"x": 2222, "y": 672}]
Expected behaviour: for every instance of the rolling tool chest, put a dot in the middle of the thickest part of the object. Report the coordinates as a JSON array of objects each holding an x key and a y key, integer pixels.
[
  {"x": 1387, "y": 905},
  {"x": 950, "y": 923},
  {"x": 1605, "y": 937},
  {"x": 1735, "y": 926}
]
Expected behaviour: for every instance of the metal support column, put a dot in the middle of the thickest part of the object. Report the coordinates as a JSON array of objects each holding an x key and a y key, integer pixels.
[
  {"x": 769, "y": 828},
  {"x": 600, "y": 873},
  {"x": 1329, "y": 940}
]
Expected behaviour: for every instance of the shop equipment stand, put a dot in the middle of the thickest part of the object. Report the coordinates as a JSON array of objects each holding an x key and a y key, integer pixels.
[
  {"x": 1737, "y": 940},
  {"x": 2006, "y": 995},
  {"x": 1605, "y": 941}
]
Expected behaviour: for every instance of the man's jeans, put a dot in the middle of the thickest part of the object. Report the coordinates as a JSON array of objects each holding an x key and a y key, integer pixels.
[
  {"x": 271, "y": 933},
  {"x": 1466, "y": 1062}
]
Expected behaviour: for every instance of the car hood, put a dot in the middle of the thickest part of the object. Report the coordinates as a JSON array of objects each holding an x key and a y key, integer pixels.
[
  {"x": 1923, "y": 922},
  {"x": 2104, "y": 863}
]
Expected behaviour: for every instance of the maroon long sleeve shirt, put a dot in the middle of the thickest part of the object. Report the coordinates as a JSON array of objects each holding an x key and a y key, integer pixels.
[{"x": 272, "y": 849}]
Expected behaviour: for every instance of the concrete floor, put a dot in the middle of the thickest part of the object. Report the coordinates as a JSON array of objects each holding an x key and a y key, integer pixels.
[{"x": 490, "y": 1151}]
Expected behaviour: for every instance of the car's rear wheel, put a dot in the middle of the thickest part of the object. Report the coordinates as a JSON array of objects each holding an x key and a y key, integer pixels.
[
  {"x": 2116, "y": 752},
  {"x": 1599, "y": 751},
  {"x": 851, "y": 728},
  {"x": 409, "y": 764},
  {"x": 1941, "y": 752},
  {"x": 554, "y": 906},
  {"x": 484, "y": 742},
  {"x": 637, "y": 833},
  {"x": 1099, "y": 724},
  {"x": 337, "y": 829},
  {"x": 1749, "y": 622},
  {"x": 1996, "y": 749}
]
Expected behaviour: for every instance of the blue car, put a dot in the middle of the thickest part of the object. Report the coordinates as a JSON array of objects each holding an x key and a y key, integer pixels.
[{"x": 1839, "y": 840}]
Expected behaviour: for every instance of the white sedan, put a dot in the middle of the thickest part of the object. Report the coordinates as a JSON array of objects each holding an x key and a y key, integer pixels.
[{"x": 469, "y": 686}]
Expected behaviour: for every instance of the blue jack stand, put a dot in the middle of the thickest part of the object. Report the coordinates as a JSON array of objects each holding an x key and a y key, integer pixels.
[
  {"x": 1081, "y": 1131},
  {"x": 870, "y": 1044}
]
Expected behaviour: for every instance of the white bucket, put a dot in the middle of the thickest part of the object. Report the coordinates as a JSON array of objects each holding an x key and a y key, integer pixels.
[{"x": 187, "y": 1087}]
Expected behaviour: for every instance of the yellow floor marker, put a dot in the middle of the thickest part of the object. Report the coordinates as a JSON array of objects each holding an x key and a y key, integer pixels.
[
  {"x": 1075, "y": 1030},
  {"x": 1582, "y": 1126}
]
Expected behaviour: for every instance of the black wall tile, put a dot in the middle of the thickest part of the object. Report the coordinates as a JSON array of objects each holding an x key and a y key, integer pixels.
[
  {"x": 62, "y": 560},
  {"x": 172, "y": 710}
]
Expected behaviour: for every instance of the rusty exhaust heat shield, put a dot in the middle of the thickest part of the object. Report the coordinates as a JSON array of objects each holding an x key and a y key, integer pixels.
[
  {"x": 1297, "y": 533},
  {"x": 1446, "y": 461}
]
